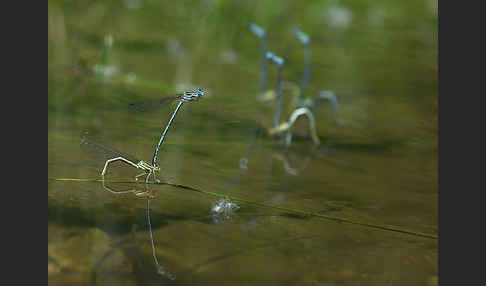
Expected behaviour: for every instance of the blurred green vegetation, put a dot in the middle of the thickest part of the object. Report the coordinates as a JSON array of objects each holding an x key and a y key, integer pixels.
[{"x": 379, "y": 58}]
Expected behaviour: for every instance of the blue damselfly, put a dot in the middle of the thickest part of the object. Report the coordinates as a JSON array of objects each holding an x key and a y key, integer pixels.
[
  {"x": 305, "y": 40},
  {"x": 261, "y": 34},
  {"x": 186, "y": 96},
  {"x": 279, "y": 62}
]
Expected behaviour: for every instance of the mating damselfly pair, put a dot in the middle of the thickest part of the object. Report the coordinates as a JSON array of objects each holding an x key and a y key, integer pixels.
[{"x": 112, "y": 155}]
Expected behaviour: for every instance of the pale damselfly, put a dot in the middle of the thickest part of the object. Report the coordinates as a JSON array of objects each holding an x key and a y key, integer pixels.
[{"x": 109, "y": 154}]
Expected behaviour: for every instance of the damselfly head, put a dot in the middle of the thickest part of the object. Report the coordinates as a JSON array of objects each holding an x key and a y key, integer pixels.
[
  {"x": 303, "y": 37},
  {"x": 193, "y": 94},
  {"x": 257, "y": 30},
  {"x": 277, "y": 60}
]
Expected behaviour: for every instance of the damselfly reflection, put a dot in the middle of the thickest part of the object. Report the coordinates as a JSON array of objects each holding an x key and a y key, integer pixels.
[
  {"x": 160, "y": 269},
  {"x": 137, "y": 192},
  {"x": 148, "y": 194},
  {"x": 291, "y": 169}
]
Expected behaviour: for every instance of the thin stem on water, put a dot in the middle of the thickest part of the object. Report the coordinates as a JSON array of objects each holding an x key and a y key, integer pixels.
[
  {"x": 255, "y": 203},
  {"x": 160, "y": 269},
  {"x": 150, "y": 231}
]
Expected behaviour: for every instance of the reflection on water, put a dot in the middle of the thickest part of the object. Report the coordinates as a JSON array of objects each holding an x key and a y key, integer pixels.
[
  {"x": 289, "y": 169},
  {"x": 221, "y": 211},
  {"x": 160, "y": 268},
  {"x": 147, "y": 193},
  {"x": 376, "y": 161}
]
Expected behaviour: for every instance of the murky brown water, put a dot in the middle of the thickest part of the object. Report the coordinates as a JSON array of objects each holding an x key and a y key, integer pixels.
[{"x": 378, "y": 166}]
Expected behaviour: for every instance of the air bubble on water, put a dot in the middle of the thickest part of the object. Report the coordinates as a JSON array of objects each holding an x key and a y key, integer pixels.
[{"x": 223, "y": 209}]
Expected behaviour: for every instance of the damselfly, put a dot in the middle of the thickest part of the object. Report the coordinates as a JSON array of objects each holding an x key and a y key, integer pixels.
[
  {"x": 279, "y": 62},
  {"x": 260, "y": 33},
  {"x": 111, "y": 155},
  {"x": 186, "y": 96},
  {"x": 305, "y": 40}
]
